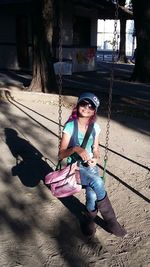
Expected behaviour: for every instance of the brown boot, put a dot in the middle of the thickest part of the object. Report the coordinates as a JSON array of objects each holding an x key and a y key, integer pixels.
[
  {"x": 109, "y": 217},
  {"x": 88, "y": 225}
]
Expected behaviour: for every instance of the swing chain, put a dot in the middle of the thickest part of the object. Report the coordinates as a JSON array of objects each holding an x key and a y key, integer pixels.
[
  {"x": 111, "y": 81},
  {"x": 60, "y": 79}
]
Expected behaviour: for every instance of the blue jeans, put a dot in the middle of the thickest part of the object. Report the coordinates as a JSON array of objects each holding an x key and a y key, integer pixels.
[{"x": 93, "y": 184}]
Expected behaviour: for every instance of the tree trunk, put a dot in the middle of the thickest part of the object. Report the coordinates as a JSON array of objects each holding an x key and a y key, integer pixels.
[
  {"x": 141, "y": 13},
  {"x": 43, "y": 76},
  {"x": 56, "y": 29},
  {"x": 122, "y": 47},
  {"x": 22, "y": 41}
]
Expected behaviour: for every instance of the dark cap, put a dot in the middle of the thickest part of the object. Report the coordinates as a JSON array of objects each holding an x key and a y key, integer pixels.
[{"x": 93, "y": 98}]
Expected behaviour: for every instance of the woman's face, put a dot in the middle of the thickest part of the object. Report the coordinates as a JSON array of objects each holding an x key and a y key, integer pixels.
[{"x": 86, "y": 108}]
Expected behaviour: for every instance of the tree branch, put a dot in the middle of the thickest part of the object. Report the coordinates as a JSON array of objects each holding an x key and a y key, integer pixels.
[{"x": 126, "y": 10}]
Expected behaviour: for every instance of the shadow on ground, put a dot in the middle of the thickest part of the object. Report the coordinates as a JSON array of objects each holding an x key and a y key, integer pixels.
[
  {"x": 30, "y": 167},
  {"x": 129, "y": 98}
]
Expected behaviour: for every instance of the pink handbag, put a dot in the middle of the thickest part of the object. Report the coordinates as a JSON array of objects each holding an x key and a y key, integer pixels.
[{"x": 64, "y": 182}]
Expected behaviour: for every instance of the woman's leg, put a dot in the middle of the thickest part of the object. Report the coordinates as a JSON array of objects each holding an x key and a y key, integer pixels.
[
  {"x": 108, "y": 214},
  {"x": 88, "y": 226},
  {"x": 105, "y": 207},
  {"x": 91, "y": 199},
  {"x": 90, "y": 177},
  {"x": 97, "y": 184},
  {"x": 97, "y": 192}
]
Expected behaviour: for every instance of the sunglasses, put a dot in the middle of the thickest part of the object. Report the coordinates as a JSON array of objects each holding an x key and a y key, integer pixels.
[{"x": 85, "y": 103}]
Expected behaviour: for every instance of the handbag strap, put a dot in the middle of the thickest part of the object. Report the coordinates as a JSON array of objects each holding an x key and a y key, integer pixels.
[
  {"x": 75, "y": 156},
  {"x": 87, "y": 135},
  {"x": 84, "y": 142}
]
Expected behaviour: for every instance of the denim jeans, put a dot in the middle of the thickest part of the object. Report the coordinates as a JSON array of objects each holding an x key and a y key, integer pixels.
[{"x": 93, "y": 184}]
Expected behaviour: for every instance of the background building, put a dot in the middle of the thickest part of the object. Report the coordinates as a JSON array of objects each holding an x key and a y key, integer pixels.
[
  {"x": 105, "y": 33},
  {"x": 81, "y": 35}
]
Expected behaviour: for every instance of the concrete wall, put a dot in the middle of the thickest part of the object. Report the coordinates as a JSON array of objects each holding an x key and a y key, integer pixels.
[
  {"x": 8, "y": 52},
  {"x": 8, "y": 43},
  {"x": 82, "y": 58}
]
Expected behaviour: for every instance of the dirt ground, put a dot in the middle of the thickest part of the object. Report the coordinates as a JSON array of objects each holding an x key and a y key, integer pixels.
[{"x": 39, "y": 230}]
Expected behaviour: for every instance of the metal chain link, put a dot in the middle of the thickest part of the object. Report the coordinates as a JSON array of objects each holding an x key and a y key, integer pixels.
[
  {"x": 111, "y": 81},
  {"x": 60, "y": 79}
]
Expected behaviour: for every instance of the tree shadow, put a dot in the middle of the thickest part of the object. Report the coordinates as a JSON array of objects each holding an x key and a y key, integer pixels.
[
  {"x": 126, "y": 158},
  {"x": 30, "y": 166},
  {"x": 75, "y": 252},
  {"x": 78, "y": 209},
  {"x": 126, "y": 185},
  {"x": 18, "y": 78},
  {"x": 9, "y": 98}
]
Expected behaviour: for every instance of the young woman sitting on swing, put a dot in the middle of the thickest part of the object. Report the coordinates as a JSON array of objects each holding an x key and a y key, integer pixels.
[{"x": 74, "y": 130}]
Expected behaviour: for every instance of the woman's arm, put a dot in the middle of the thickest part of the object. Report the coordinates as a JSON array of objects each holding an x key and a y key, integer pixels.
[
  {"x": 96, "y": 151},
  {"x": 92, "y": 162},
  {"x": 65, "y": 152}
]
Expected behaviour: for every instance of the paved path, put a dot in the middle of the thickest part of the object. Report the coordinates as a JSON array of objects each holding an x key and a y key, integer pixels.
[{"x": 97, "y": 81}]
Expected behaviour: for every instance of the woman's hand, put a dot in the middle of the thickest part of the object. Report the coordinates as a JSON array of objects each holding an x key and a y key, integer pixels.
[
  {"x": 82, "y": 153},
  {"x": 92, "y": 162}
]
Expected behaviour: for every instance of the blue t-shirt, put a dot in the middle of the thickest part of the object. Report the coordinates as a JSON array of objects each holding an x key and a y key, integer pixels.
[{"x": 69, "y": 128}]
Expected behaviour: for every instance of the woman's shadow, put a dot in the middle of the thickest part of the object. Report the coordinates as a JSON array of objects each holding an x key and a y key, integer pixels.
[{"x": 30, "y": 166}]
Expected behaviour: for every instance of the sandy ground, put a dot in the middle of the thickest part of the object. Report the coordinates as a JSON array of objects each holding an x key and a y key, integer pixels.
[{"x": 39, "y": 230}]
